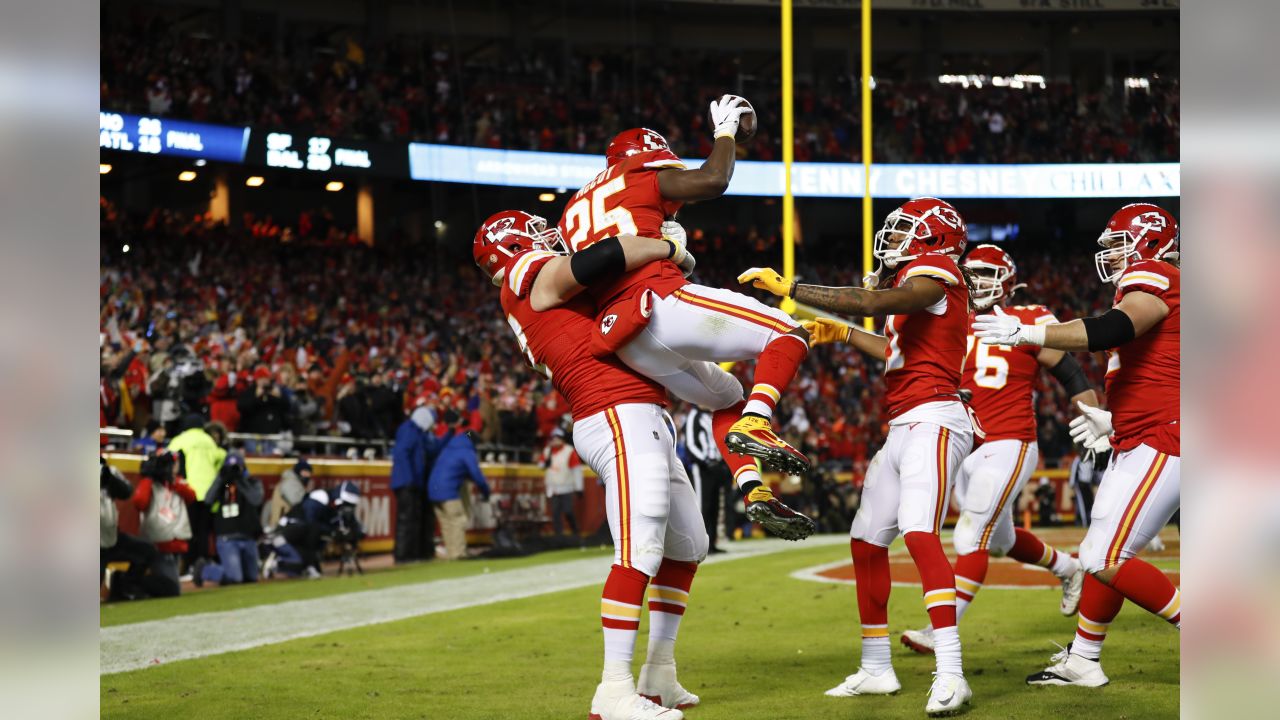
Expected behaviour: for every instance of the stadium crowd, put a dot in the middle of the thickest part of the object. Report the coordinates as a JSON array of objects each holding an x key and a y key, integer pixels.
[
  {"x": 288, "y": 333},
  {"x": 502, "y": 97}
]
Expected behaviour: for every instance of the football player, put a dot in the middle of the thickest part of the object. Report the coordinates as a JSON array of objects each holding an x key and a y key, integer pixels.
[
  {"x": 623, "y": 433},
  {"x": 692, "y": 327},
  {"x": 1140, "y": 490},
  {"x": 1001, "y": 382},
  {"x": 909, "y": 480}
]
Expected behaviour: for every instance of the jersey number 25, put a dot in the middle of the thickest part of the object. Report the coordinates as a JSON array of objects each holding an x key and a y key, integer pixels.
[{"x": 587, "y": 218}]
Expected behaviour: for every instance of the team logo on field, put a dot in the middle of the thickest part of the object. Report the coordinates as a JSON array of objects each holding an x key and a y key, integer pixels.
[{"x": 607, "y": 323}]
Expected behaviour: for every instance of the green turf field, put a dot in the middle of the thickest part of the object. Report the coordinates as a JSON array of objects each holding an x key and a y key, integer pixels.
[{"x": 755, "y": 643}]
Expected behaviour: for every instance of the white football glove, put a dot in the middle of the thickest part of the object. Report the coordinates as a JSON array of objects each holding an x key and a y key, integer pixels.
[
  {"x": 673, "y": 232},
  {"x": 1006, "y": 330},
  {"x": 725, "y": 114},
  {"x": 1092, "y": 428}
]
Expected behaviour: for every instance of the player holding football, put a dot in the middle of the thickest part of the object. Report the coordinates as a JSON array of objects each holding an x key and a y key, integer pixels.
[
  {"x": 690, "y": 327},
  {"x": 1001, "y": 382},
  {"x": 1140, "y": 490},
  {"x": 909, "y": 480},
  {"x": 623, "y": 433}
]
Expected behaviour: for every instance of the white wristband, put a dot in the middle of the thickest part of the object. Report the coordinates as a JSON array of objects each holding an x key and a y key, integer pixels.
[{"x": 1033, "y": 334}]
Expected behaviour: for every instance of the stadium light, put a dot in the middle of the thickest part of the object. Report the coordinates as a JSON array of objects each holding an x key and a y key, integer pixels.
[
  {"x": 187, "y": 176},
  {"x": 547, "y": 197},
  {"x": 103, "y": 168},
  {"x": 201, "y": 162},
  {"x": 124, "y": 249},
  {"x": 254, "y": 181},
  {"x": 333, "y": 185}
]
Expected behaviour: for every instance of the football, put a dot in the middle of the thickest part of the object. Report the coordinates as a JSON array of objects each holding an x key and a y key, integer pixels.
[{"x": 746, "y": 124}]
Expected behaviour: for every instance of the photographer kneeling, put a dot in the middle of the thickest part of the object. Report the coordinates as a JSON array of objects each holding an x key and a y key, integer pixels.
[
  {"x": 162, "y": 499},
  {"x": 322, "y": 515},
  {"x": 235, "y": 502}
]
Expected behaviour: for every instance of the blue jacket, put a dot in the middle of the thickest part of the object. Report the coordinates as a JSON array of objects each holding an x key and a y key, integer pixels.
[
  {"x": 456, "y": 464},
  {"x": 413, "y": 454}
]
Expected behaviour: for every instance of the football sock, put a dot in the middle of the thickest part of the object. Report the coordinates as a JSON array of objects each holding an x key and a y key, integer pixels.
[
  {"x": 971, "y": 572},
  {"x": 939, "y": 585},
  {"x": 1099, "y": 605},
  {"x": 745, "y": 469},
  {"x": 1149, "y": 588},
  {"x": 668, "y": 596},
  {"x": 775, "y": 367},
  {"x": 871, "y": 571},
  {"x": 1028, "y": 548},
  {"x": 620, "y": 617}
]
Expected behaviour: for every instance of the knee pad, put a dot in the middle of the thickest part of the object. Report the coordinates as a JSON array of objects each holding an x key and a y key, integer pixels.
[
  {"x": 967, "y": 533},
  {"x": 1093, "y": 552}
]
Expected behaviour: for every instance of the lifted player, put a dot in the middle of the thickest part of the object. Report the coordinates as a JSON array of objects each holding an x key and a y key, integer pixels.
[
  {"x": 909, "y": 481},
  {"x": 691, "y": 326},
  {"x": 1141, "y": 488},
  {"x": 623, "y": 433},
  {"x": 1001, "y": 381}
]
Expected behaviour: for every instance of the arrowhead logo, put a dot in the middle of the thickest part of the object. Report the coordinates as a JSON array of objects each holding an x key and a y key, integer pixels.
[{"x": 607, "y": 323}]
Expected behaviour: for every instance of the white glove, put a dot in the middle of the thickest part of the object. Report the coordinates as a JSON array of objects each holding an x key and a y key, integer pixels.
[
  {"x": 1006, "y": 330},
  {"x": 725, "y": 114},
  {"x": 673, "y": 232},
  {"x": 1092, "y": 428}
]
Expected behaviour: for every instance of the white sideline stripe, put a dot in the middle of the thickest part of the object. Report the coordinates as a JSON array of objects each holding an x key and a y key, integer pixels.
[
  {"x": 146, "y": 644},
  {"x": 814, "y": 574}
]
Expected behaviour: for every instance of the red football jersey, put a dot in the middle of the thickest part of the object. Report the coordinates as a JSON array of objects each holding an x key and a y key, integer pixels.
[
  {"x": 557, "y": 343},
  {"x": 1002, "y": 379},
  {"x": 625, "y": 199},
  {"x": 1142, "y": 391},
  {"x": 926, "y": 348}
]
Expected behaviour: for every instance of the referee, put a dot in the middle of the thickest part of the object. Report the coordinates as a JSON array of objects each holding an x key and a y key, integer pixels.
[{"x": 711, "y": 477}]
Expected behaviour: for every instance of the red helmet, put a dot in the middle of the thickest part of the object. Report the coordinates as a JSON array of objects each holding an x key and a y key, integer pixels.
[
  {"x": 920, "y": 226},
  {"x": 1140, "y": 231},
  {"x": 636, "y": 141},
  {"x": 510, "y": 233},
  {"x": 994, "y": 275}
]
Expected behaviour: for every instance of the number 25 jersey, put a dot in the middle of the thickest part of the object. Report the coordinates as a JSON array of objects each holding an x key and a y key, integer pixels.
[{"x": 625, "y": 199}]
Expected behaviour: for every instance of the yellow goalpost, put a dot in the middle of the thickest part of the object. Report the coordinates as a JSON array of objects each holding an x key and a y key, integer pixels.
[{"x": 788, "y": 150}]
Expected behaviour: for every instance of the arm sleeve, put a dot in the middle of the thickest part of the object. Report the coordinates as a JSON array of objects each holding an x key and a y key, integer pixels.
[
  {"x": 1069, "y": 373},
  {"x": 142, "y": 495},
  {"x": 251, "y": 488},
  {"x": 477, "y": 476}
]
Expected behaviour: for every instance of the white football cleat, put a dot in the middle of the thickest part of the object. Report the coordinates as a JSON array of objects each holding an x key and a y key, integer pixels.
[
  {"x": 619, "y": 701},
  {"x": 658, "y": 683},
  {"x": 919, "y": 640},
  {"x": 1071, "y": 587},
  {"x": 864, "y": 683},
  {"x": 1068, "y": 669},
  {"x": 948, "y": 695}
]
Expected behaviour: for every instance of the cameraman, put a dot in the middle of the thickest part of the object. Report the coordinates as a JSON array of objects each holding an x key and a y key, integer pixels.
[
  {"x": 162, "y": 499},
  {"x": 323, "y": 514},
  {"x": 235, "y": 500},
  {"x": 142, "y": 579}
]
